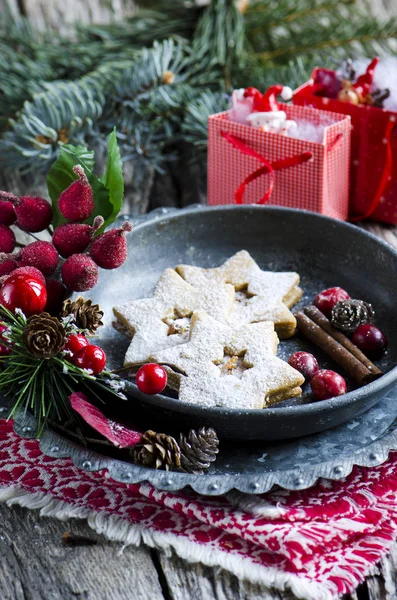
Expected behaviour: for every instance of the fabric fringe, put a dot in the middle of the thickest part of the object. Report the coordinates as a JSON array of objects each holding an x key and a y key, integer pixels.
[{"x": 116, "y": 529}]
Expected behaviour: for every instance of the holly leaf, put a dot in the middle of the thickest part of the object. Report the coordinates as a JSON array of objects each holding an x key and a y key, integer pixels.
[
  {"x": 117, "y": 434},
  {"x": 61, "y": 174},
  {"x": 113, "y": 181}
]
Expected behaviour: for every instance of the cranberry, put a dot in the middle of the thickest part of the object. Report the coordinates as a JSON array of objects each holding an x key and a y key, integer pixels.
[
  {"x": 151, "y": 379},
  {"x": 326, "y": 300},
  {"x": 24, "y": 292},
  {"x": 327, "y": 384},
  {"x": 305, "y": 363},
  {"x": 371, "y": 340},
  {"x": 75, "y": 343},
  {"x": 92, "y": 358},
  {"x": 4, "y": 350}
]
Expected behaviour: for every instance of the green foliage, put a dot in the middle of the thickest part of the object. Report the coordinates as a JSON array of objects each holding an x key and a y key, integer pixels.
[
  {"x": 157, "y": 75},
  {"x": 108, "y": 190},
  {"x": 41, "y": 385}
]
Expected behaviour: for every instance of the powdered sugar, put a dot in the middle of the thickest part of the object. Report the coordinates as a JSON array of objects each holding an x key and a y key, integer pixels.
[{"x": 262, "y": 375}]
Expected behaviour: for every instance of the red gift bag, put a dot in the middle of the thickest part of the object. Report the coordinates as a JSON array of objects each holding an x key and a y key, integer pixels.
[
  {"x": 249, "y": 166},
  {"x": 373, "y": 176}
]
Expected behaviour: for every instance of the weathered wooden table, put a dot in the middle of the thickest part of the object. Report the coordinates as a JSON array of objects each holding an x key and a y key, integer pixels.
[{"x": 36, "y": 565}]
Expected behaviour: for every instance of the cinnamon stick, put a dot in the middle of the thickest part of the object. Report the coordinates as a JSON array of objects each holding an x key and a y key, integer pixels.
[
  {"x": 318, "y": 317},
  {"x": 345, "y": 359}
]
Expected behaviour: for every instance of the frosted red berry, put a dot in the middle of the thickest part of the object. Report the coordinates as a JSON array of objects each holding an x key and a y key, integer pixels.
[
  {"x": 326, "y": 300},
  {"x": 327, "y": 384},
  {"x": 42, "y": 255},
  {"x": 33, "y": 213},
  {"x": 7, "y": 213},
  {"x": 151, "y": 379},
  {"x": 109, "y": 250},
  {"x": 76, "y": 203},
  {"x": 75, "y": 343},
  {"x": 56, "y": 293},
  {"x": 72, "y": 238},
  {"x": 24, "y": 292},
  {"x": 7, "y": 239},
  {"x": 7, "y": 266},
  {"x": 4, "y": 350},
  {"x": 92, "y": 358},
  {"x": 79, "y": 273},
  {"x": 371, "y": 340},
  {"x": 305, "y": 363}
]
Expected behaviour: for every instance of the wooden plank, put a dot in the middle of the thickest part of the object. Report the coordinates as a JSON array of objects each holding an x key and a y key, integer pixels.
[{"x": 36, "y": 565}]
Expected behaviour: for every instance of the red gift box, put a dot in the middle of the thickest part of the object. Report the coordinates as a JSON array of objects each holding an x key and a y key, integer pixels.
[
  {"x": 249, "y": 166},
  {"x": 373, "y": 177}
]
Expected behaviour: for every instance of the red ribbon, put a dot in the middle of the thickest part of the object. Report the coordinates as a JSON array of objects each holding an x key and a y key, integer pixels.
[
  {"x": 267, "y": 167},
  {"x": 385, "y": 176}
]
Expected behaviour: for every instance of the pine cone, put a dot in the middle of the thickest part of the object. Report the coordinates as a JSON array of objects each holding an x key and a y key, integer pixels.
[
  {"x": 198, "y": 450},
  {"x": 86, "y": 314},
  {"x": 347, "y": 315},
  {"x": 159, "y": 451},
  {"x": 44, "y": 336}
]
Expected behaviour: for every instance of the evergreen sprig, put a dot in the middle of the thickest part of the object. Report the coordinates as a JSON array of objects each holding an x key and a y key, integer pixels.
[
  {"x": 42, "y": 386},
  {"x": 74, "y": 90}
]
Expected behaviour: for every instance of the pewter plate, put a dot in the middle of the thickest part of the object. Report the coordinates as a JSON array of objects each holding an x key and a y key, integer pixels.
[
  {"x": 252, "y": 468},
  {"x": 325, "y": 253}
]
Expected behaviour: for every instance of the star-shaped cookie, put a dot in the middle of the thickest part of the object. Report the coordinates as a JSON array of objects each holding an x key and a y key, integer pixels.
[
  {"x": 231, "y": 367},
  {"x": 164, "y": 320},
  {"x": 259, "y": 295}
]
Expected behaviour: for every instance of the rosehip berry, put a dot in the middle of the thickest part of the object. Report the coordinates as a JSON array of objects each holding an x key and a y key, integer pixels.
[
  {"x": 33, "y": 214},
  {"x": 41, "y": 255},
  {"x": 327, "y": 384},
  {"x": 371, "y": 340},
  {"x": 305, "y": 363},
  {"x": 76, "y": 203},
  {"x": 56, "y": 293},
  {"x": 151, "y": 379},
  {"x": 24, "y": 292},
  {"x": 92, "y": 358},
  {"x": 326, "y": 300},
  {"x": 75, "y": 343},
  {"x": 4, "y": 350},
  {"x": 72, "y": 238},
  {"x": 7, "y": 239},
  {"x": 7, "y": 212},
  {"x": 79, "y": 273},
  {"x": 7, "y": 266},
  {"x": 109, "y": 250}
]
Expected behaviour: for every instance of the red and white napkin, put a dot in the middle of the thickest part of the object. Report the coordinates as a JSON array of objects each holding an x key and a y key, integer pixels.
[{"x": 320, "y": 543}]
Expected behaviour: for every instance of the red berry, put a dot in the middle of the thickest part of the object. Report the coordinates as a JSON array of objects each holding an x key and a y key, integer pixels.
[
  {"x": 24, "y": 292},
  {"x": 56, "y": 293},
  {"x": 7, "y": 266},
  {"x": 4, "y": 350},
  {"x": 109, "y": 250},
  {"x": 79, "y": 273},
  {"x": 7, "y": 213},
  {"x": 30, "y": 271},
  {"x": 7, "y": 239},
  {"x": 326, "y": 300},
  {"x": 33, "y": 214},
  {"x": 151, "y": 379},
  {"x": 92, "y": 358},
  {"x": 41, "y": 255},
  {"x": 305, "y": 363},
  {"x": 75, "y": 343},
  {"x": 72, "y": 238},
  {"x": 371, "y": 340},
  {"x": 76, "y": 203},
  {"x": 327, "y": 384}
]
